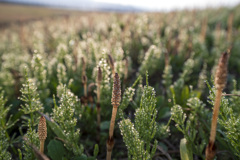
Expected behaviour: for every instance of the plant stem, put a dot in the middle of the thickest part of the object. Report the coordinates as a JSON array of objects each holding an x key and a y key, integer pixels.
[
  {"x": 84, "y": 81},
  {"x": 98, "y": 105},
  {"x": 110, "y": 142},
  {"x": 114, "y": 113},
  {"x": 109, "y": 154},
  {"x": 85, "y": 89},
  {"x": 98, "y": 115},
  {"x": 211, "y": 148},
  {"x": 98, "y": 121},
  {"x": 110, "y": 145},
  {"x": 41, "y": 146},
  {"x": 99, "y": 80},
  {"x": 98, "y": 92},
  {"x": 215, "y": 116}
]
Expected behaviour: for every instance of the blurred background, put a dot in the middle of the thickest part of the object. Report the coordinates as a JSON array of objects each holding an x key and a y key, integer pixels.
[
  {"x": 21, "y": 10},
  {"x": 127, "y": 5}
]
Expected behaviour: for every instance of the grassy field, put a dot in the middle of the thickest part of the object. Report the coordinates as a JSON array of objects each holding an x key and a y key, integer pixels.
[
  {"x": 10, "y": 13},
  {"x": 126, "y": 86}
]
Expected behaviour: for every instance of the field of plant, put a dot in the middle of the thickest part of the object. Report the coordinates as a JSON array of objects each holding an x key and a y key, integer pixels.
[
  {"x": 161, "y": 86},
  {"x": 12, "y": 13}
]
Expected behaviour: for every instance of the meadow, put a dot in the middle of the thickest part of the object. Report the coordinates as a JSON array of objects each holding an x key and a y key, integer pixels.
[{"x": 88, "y": 86}]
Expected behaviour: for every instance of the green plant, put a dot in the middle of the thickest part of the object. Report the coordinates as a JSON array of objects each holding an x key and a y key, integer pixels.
[
  {"x": 31, "y": 106},
  {"x": 66, "y": 115},
  {"x": 228, "y": 119},
  {"x": 5, "y": 140},
  {"x": 138, "y": 136}
]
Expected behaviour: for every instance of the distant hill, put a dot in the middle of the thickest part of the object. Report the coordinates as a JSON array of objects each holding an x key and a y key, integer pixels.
[{"x": 84, "y": 5}]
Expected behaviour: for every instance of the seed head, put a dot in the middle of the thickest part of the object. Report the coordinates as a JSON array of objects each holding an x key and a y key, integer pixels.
[
  {"x": 116, "y": 92},
  {"x": 83, "y": 61},
  {"x": 111, "y": 61},
  {"x": 84, "y": 79},
  {"x": 221, "y": 73},
  {"x": 42, "y": 129}
]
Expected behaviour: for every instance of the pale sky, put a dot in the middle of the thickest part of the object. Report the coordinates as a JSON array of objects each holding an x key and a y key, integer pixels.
[
  {"x": 173, "y": 4},
  {"x": 151, "y": 5}
]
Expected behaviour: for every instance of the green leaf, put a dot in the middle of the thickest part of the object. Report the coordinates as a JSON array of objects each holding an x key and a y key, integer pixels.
[
  {"x": 82, "y": 157},
  {"x": 173, "y": 94},
  {"x": 185, "y": 94},
  {"x": 185, "y": 150},
  {"x": 164, "y": 112},
  {"x": 136, "y": 81},
  {"x": 196, "y": 94},
  {"x": 19, "y": 154},
  {"x": 105, "y": 125},
  {"x": 56, "y": 129},
  {"x": 54, "y": 126},
  {"x": 96, "y": 150},
  {"x": 160, "y": 101},
  {"x": 56, "y": 150}
]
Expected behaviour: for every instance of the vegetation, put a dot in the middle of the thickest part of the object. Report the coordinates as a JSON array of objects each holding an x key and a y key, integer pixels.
[{"x": 118, "y": 86}]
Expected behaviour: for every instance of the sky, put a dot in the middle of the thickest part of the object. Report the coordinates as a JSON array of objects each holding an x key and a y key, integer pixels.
[
  {"x": 173, "y": 4},
  {"x": 151, "y": 5}
]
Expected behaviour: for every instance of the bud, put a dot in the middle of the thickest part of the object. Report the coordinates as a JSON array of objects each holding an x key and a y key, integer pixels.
[
  {"x": 116, "y": 92},
  {"x": 42, "y": 129},
  {"x": 221, "y": 73}
]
